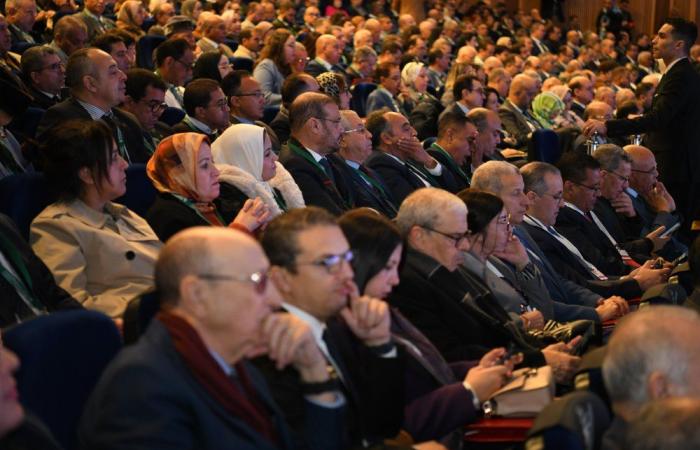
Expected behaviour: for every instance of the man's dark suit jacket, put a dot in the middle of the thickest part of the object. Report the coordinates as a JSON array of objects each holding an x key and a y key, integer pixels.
[
  {"x": 43, "y": 286},
  {"x": 460, "y": 177},
  {"x": 617, "y": 225},
  {"x": 41, "y": 100},
  {"x": 314, "y": 68},
  {"x": 568, "y": 266},
  {"x": 591, "y": 242},
  {"x": 578, "y": 108},
  {"x": 280, "y": 125},
  {"x": 316, "y": 188},
  {"x": 399, "y": 178},
  {"x": 560, "y": 289},
  {"x": 515, "y": 123},
  {"x": 365, "y": 195},
  {"x": 649, "y": 220},
  {"x": 424, "y": 117},
  {"x": 148, "y": 399},
  {"x": 672, "y": 134},
  {"x": 184, "y": 127},
  {"x": 456, "y": 311},
  {"x": 71, "y": 109},
  {"x": 374, "y": 409}
]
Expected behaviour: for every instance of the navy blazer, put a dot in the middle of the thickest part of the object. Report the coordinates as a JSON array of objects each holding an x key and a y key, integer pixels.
[
  {"x": 148, "y": 399},
  {"x": 70, "y": 109},
  {"x": 365, "y": 195},
  {"x": 379, "y": 98}
]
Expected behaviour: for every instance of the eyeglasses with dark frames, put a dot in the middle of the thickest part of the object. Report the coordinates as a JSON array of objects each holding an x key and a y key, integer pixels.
[
  {"x": 332, "y": 263},
  {"x": 590, "y": 188},
  {"x": 457, "y": 238},
  {"x": 259, "y": 279},
  {"x": 335, "y": 121},
  {"x": 619, "y": 177}
]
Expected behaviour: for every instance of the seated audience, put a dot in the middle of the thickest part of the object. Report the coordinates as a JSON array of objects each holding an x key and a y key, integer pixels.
[
  {"x": 273, "y": 65},
  {"x": 310, "y": 261},
  {"x": 131, "y": 16},
  {"x": 248, "y": 168},
  {"x": 414, "y": 78},
  {"x": 456, "y": 139},
  {"x": 666, "y": 424},
  {"x": 364, "y": 60},
  {"x": 21, "y": 17},
  {"x": 212, "y": 65},
  {"x": 94, "y": 19},
  {"x": 328, "y": 54},
  {"x": 334, "y": 85},
  {"x": 207, "y": 109},
  {"x": 100, "y": 252},
  {"x": 650, "y": 356},
  {"x": 145, "y": 99},
  {"x": 213, "y": 29},
  {"x": 96, "y": 89},
  {"x": 515, "y": 111},
  {"x": 385, "y": 95},
  {"x": 547, "y": 107},
  {"x": 468, "y": 93},
  {"x": 174, "y": 60},
  {"x": 69, "y": 35},
  {"x": 248, "y": 45},
  {"x": 294, "y": 85},
  {"x": 14, "y": 101},
  {"x": 196, "y": 387},
  {"x": 438, "y": 404},
  {"x": 183, "y": 171},
  {"x": 113, "y": 44}
]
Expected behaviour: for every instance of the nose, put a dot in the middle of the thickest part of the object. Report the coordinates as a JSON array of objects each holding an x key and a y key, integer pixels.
[
  {"x": 215, "y": 170},
  {"x": 464, "y": 245}
]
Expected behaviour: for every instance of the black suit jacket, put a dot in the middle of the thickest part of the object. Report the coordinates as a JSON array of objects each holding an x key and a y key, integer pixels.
[
  {"x": 41, "y": 100},
  {"x": 578, "y": 108},
  {"x": 455, "y": 311},
  {"x": 369, "y": 382},
  {"x": 316, "y": 187},
  {"x": 184, "y": 127},
  {"x": 568, "y": 266},
  {"x": 639, "y": 248},
  {"x": 591, "y": 242},
  {"x": 71, "y": 109},
  {"x": 459, "y": 175},
  {"x": 44, "y": 286},
  {"x": 365, "y": 195},
  {"x": 424, "y": 117},
  {"x": 280, "y": 125}
]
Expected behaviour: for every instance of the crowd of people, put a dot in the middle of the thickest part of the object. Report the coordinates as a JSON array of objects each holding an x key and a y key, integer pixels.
[{"x": 356, "y": 234}]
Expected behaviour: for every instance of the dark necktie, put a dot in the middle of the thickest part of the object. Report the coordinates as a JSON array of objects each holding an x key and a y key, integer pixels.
[
  {"x": 113, "y": 124},
  {"x": 327, "y": 168}
]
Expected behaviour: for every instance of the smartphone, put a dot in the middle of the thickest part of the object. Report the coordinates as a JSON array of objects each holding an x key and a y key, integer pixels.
[
  {"x": 676, "y": 226},
  {"x": 681, "y": 259}
]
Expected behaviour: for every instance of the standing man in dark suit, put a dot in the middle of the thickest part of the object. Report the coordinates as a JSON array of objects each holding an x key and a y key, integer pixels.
[
  {"x": 310, "y": 260},
  {"x": 368, "y": 188},
  {"x": 455, "y": 142},
  {"x": 97, "y": 86},
  {"x": 315, "y": 127},
  {"x": 44, "y": 75},
  {"x": 400, "y": 159},
  {"x": 196, "y": 388},
  {"x": 671, "y": 124}
]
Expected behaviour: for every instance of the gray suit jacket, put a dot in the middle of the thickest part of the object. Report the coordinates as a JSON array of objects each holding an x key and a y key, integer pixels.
[
  {"x": 515, "y": 123},
  {"x": 380, "y": 98}
]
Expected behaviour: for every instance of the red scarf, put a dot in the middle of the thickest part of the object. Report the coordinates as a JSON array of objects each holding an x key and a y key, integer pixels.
[{"x": 242, "y": 403}]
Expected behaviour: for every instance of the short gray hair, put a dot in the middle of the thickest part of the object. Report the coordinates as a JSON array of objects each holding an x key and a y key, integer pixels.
[
  {"x": 609, "y": 156},
  {"x": 363, "y": 52},
  {"x": 654, "y": 339},
  {"x": 533, "y": 176},
  {"x": 425, "y": 207},
  {"x": 487, "y": 177}
]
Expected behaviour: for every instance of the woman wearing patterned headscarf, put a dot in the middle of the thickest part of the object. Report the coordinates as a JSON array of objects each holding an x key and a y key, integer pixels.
[
  {"x": 333, "y": 85},
  {"x": 567, "y": 118},
  {"x": 182, "y": 170},
  {"x": 546, "y": 107},
  {"x": 248, "y": 168},
  {"x": 414, "y": 78},
  {"x": 131, "y": 16}
]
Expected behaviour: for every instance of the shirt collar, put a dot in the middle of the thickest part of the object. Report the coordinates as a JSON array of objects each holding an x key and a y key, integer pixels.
[
  {"x": 226, "y": 367},
  {"x": 244, "y": 120},
  {"x": 78, "y": 209},
  {"x": 95, "y": 112},
  {"x": 317, "y": 327},
  {"x": 324, "y": 63},
  {"x": 396, "y": 158},
  {"x": 464, "y": 109},
  {"x": 210, "y": 42},
  {"x": 200, "y": 125},
  {"x": 673, "y": 63},
  {"x": 632, "y": 192},
  {"x": 317, "y": 156},
  {"x": 575, "y": 208},
  {"x": 354, "y": 164}
]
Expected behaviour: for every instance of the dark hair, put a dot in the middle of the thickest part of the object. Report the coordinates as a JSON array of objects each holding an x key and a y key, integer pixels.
[
  {"x": 488, "y": 91},
  {"x": 198, "y": 94},
  {"x": 463, "y": 82},
  {"x": 293, "y": 86},
  {"x": 232, "y": 82},
  {"x": 372, "y": 238},
  {"x": 105, "y": 41},
  {"x": 627, "y": 108},
  {"x": 482, "y": 208},
  {"x": 138, "y": 80},
  {"x": 390, "y": 46},
  {"x": 175, "y": 48},
  {"x": 245, "y": 33},
  {"x": 377, "y": 124},
  {"x": 279, "y": 240},
  {"x": 67, "y": 148},
  {"x": 434, "y": 55},
  {"x": 207, "y": 66},
  {"x": 452, "y": 119},
  {"x": 683, "y": 30},
  {"x": 383, "y": 70},
  {"x": 573, "y": 166},
  {"x": 274, "y": 50},
  {"x": 127, "y": 37}
]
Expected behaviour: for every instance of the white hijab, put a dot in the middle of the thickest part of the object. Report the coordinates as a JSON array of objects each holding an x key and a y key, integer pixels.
[{"x": 241, "y": 145}]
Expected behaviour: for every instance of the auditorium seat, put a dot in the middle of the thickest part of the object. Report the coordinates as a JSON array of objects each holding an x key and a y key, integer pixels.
[
  {"x": 589, "y": 376},
  {"x": 144, "y": 50},
  {"x": 360, "y": 92},
  {"x": 140, "y": 193},
  {"x": 62, "y": 356},
  {"x": 25, "y": 125},
  {"x": 138, "y": 314},
  {"x": 544, "y": 146},
  {"x": 576, "y": 421},
  {"x": 23, "y": 197},
  {"x": 269, "y": 113},
  {"x": 172, "y": 116},
  {"x": 242, "y": 63}
]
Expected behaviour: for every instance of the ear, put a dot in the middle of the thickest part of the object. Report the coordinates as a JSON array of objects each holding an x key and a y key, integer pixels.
[
  {"x": 34, "y": 76},
  {"x": 89, "y": 83},
  {"x": 199, "y": 112},
  {"x": 464, "y": 94},
  {"x": 85, "y": 175},
  {"x": 192, "y": 295},
  {"x": 657, "y": 386},
  {"x": 531, "y": 196},
  {"x": 281, "y": 278},
  {"x": 385, "y": 138}
]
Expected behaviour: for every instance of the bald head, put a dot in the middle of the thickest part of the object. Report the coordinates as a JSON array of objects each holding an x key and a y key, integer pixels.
[
  {"x": 598, "y": 110},
  {"x": 328, "y": 48},
  {"x": 644, "y": 172},
  {"x": 522, "y": 90}
]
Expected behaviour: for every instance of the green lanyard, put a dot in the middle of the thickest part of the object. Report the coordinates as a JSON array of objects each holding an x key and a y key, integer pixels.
[
  {"x": 295, "y": 147},
  {"x": 451, "y": 162},
  {"x": 23, "y": 283},
  {"x": 371, "y": 181},
  {"x": 279, "y": 199},
  {"x": 191, "y": 204}
]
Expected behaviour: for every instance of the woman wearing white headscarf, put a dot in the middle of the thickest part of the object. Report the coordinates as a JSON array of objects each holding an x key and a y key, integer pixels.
[
  {"x": 423, "y": 108},
  {"x": 247, "y": 164}
]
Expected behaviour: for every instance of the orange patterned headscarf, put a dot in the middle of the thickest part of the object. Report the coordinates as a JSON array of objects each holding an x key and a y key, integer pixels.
[{"x": 173, "y": 166}]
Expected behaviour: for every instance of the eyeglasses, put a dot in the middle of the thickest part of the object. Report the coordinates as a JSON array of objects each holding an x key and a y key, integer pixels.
[
  {"x": 360, "y": 129},
  {"x": 332, "y": 263},
  {"x": 457, "y": 238},
  {"x": 259, "y": 279},
  {"x": 54, "y": 67},
  {"x": 648, "y": 172},
  {"x": 620, "y": 177},
  {"x": 188, "y": 66},
  {"x": 557, "y": 198},
  {"x": 156, "y": 107},
  {"x": 221, "y": 104},
  {"x": 590, "y": 188},
  {"x": 335, "y": 121},
  {"x": 256, "y": 94}
]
